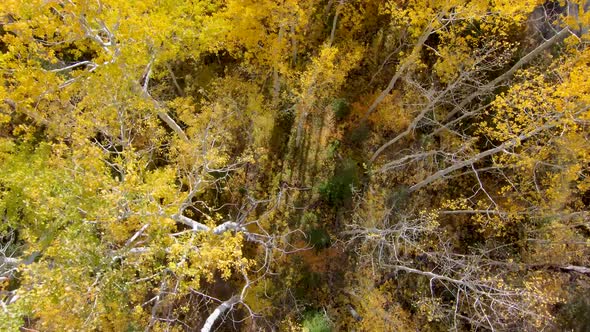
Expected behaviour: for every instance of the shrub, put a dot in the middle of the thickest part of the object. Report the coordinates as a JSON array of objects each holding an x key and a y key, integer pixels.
[
  {"x": 341, "y": 108},
  {"x": 319, "y": 238},
  {"x": 338, "y": 189},
  {"x": 360, "y": 133},
  {"x": 316, "y": 322}
]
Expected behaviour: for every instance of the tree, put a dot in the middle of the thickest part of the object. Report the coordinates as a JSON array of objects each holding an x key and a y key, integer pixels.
[
  {"x": 202, "y": 165},
  {"x": 521, "y": 181},
  {"x": 117, "y": 211}
]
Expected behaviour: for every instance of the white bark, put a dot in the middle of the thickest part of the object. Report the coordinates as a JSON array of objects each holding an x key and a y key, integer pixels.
[
  {"x": 162, "y": 114},
  {"x": 137, "y": 234},
  {"x": 174, "y": 80},
  {"x": 294, "y": 44},
  {"x": 223, "y": 307},
  {"x": 464, "y": 102},
  {"x": 197, "y": 226},
  {"x": 443, "y": 172},
  {"x": 579, "y": 269},
  {"x": 9, "y": 261},
  {"x": 335, "y": 23},
  {"x": 522, "y": 62},
  {"x": 227, "y": 226},
  {"x": 406, "y": 159},
  {"x": 77, "y": 64},
  {"x": 408, "y": 130},
  {"x": 402, "y": 68}
]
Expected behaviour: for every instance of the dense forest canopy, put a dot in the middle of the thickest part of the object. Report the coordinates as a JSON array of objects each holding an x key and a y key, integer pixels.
[{"x": 294, "y": 165}]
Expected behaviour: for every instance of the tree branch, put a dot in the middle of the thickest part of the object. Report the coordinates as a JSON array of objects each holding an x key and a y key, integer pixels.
[
  {"x": 523, "y": 61},
  {"x": 402, "y": 68},
  {"x": 197, "y": 226},
  {"x": 223, "y": 307},
  {"x": 479, "y": 156}
]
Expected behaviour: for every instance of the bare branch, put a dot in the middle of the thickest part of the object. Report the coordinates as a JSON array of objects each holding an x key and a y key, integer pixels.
[
  {"x": 223, "y": 307},
  {"x": 407, "y": 62},
  {"x": 508, "y": 144},
  {"x": 507, "y": 74}
]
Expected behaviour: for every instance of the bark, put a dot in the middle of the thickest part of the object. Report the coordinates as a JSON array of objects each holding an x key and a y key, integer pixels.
[
  {"x": 522, "y": 62},
  {"x": 443, "y": 172},
  {"x": 294, "y": 44},
  {"x": 334, "y": 23},
  {"x": 579, "y": 269},
  {"x": 435, "y": 99},
  {"x": 14, "y": 262},
  {"x": 276, "y": 84},
  {"x": 354, "y": 314},
  {"x": 197, "y": 226},
  {"x": 137, "y": 234},
  {"x": 162, "y": 114},
  {"x": 227, "y": 226},
  {"x": 175, "y": 81},
  {"x": 171, "y": 123},
  {"x": 403, "y": 67},
  {"x": 405, "y": 159},
  {"x": 214, "y": 316},
  {"x": 406, "y": 132},
  {"x": 9, "y": 261},
  {"x": 78, "y": 64}
]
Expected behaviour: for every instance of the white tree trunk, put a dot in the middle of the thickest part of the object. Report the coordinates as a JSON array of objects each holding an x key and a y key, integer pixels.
[{"x": 223, "y": 307}]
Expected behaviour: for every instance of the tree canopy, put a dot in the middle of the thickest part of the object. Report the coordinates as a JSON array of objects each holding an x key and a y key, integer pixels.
[{"x": 294, "y": 165}]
